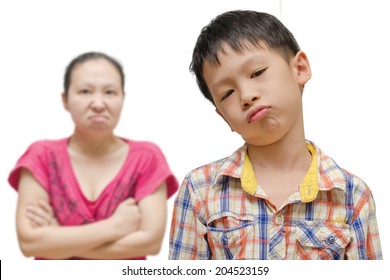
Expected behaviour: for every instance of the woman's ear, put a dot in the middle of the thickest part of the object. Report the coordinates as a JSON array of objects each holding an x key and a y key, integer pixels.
[
  {"x": 223, "y": 117},
  {"x": 302, "y": 66},
  {"x": 65, "y": 101}
]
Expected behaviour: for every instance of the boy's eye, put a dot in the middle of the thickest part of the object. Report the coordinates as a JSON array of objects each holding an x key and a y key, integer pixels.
[
  {"x": 258, "y": 73},
  {"x": 227, "y": 94},
  {"x": 84, "y": 91},
  {"x": 110, "y": 92}
]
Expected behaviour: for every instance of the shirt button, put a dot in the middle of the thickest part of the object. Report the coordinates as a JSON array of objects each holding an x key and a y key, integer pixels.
[
  {"x": 331, "y": 240},
  {"x": 279, "y": 220}
]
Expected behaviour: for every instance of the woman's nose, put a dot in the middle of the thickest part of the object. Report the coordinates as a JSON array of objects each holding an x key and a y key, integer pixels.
[{"x": 97, "y": 102}]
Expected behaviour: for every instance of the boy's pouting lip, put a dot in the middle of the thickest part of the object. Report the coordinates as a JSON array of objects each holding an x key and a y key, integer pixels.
[{"x": 257, "y": 113}]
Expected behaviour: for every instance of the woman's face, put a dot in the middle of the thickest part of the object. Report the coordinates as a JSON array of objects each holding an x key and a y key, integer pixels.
[{"x": 95, "y": 96}]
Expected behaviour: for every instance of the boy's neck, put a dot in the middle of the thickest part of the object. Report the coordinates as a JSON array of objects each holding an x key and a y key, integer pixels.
[{"x": 282, "y": 155}]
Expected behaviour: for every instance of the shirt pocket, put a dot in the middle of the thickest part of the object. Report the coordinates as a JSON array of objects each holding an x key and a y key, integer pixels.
[
  {"x": 321, "y": 240},
  {"x": 228, "y": 233}
]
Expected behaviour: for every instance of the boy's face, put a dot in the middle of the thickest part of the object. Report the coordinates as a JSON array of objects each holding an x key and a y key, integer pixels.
[{"x": 258, "y": 93}]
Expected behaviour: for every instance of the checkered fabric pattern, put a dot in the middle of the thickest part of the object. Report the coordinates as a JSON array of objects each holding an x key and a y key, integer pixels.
[{"x": 217, "y": 216}]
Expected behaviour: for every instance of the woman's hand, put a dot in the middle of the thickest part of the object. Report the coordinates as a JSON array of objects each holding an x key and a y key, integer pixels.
[
  {"x": 146, "y": 219},
  {"x": 127, "y": 217},
  {"x": 41, "y": 215}
]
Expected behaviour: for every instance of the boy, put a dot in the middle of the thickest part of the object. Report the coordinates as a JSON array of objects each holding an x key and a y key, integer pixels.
[{"x": 279, "y": 196}]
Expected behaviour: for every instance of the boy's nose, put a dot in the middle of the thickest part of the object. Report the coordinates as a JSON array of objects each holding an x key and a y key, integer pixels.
[{"x": 247, "y": 102}]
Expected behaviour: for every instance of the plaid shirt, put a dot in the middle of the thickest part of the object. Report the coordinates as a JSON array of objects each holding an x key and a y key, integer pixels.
[{"x": 221, "y": 213}]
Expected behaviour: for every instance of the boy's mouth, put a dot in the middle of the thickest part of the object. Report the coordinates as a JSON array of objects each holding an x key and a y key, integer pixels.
[{"x": 257, "y": 113}]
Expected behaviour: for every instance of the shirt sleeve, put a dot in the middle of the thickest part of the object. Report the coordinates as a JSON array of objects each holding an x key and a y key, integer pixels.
[
  {"x": 153, "y": 172},
  {"x": 33, "y": 160},
  {"x": 188, "y": 235},
  {"x": 365, "y": 242}
]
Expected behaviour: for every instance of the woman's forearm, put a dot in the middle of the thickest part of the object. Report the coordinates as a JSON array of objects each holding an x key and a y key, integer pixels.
[
  {"x": 66, "y": 242},
  {"x": 145, "y": 241},
  {"x": 61, "y": 242},
  {"x": 137, "y": 244}
]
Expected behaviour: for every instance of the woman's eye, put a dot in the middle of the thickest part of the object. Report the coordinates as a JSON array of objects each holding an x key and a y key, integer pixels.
[
  {"x": 110, "y": 92},
  {"x": 258, "y": 73},
  {"x": 227, "y": 94}
]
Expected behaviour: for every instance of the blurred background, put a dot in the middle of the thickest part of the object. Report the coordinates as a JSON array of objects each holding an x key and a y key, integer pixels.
[{"x": 345, "y": 102}]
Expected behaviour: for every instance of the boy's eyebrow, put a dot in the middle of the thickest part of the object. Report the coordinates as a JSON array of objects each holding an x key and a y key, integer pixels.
[
  {"x": 255, "y": 58},
  {"x": 220, "y": 83}
]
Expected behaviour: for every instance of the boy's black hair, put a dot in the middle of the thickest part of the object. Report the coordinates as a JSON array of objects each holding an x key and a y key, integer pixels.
[
  {"x": 236, "y": 28},
  {"x": 90, "y": 56}
]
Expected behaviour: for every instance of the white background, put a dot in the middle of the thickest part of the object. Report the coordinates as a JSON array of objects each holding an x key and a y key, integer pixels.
[{"x": 345, "y": 102}]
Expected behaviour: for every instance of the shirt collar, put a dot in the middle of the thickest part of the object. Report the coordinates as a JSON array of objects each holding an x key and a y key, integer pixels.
[
  {"x": 232, "y": 165},
  {"x": 310, "y": 184},
  {"x": 323, "y": 174},
  {"x": 308, "y": 188}
]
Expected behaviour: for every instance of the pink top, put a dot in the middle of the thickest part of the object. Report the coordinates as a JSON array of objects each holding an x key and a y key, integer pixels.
[{"x": 143, "y": 171}]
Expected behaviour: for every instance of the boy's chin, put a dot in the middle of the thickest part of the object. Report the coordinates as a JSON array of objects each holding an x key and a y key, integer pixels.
[{"x": 260, "y": 142}]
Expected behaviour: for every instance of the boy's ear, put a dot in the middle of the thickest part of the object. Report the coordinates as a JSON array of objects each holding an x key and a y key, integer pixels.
[
  {"x": 64, "y": 101},
  {"x": 223, "y": 117},
  {"x": 301, "y": 62}
]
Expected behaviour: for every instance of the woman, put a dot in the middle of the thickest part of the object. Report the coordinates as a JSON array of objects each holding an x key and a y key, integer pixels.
[{"x": 92, "y": 195}]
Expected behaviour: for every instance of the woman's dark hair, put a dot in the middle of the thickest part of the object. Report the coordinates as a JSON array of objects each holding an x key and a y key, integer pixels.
[
  {"x": 237, "y": 29},
  {"x": 90, "y": 56}
]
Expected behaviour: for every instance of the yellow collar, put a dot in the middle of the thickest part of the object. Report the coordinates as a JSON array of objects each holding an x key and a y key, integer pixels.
[{"x": 308, "y": 188}]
